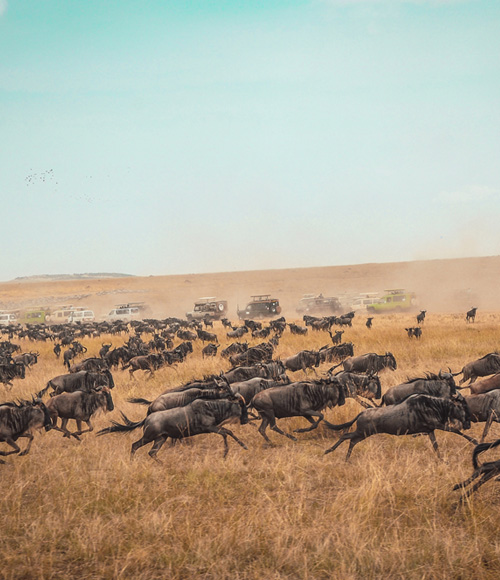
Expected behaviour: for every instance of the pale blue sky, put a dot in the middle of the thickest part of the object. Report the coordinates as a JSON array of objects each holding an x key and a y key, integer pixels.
[{"x": 177, "y": 136}]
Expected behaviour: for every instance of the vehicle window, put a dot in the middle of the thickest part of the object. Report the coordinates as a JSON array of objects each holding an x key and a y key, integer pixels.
[{"x": 389, "y": 299}]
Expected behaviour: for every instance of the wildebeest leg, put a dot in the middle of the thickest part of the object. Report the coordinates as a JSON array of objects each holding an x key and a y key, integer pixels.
[
  {"x": 275, "y": 427},
  {"x": 28, "y": 447},
  {"x": 434, "y": 442},
  {"x": 458, "y": 432},
  {"x": 138, "y": 444},
  {"x": 63, "y": 429},
  {"x": 225, "y": 432},
  {"x": 13, "y": 444},
  {"x": 343, "y": 438},
  {"x": 263, "y": 427},
  {"x": 158, "y": 444},
  {"x": 79, "y": 427},
  {"x": 314, "y": 424},
  {"x": 487, "y": 425}
]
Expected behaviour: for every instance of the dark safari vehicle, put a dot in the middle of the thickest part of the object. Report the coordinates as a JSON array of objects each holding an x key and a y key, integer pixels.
[
  {"x": 261, "y": 306},
  {"x": 210, "y": 308},
  {"x": 318, "y": 304}
]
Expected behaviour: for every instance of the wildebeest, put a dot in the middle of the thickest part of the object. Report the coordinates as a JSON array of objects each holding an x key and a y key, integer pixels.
[
  {"x": 149, "y": 363},
  {"x": 416, "y": 414},
  {"x": 105, "y": 349},
  {"x": 339, "y": 352},
  {"x": 173, "y": 399},
  {"x": 28, "y": 358},
  {"x": 80, "y": 406},
  {"x": 248, "y": 389},
  {"x": 21, "y": 419},
  {"x": 442, "y": 385},
  {"x": 485, "y": 407},
  {"x": 414, "y": 332},
  {"x": 489, "y": 364},
  {"x": 369, "y": 323},
  {"x": 198, "y": 417},
  {"x": 209, "y": 350},
  {"x": 360, "y": 385},
  {"x": 421, "y": 317},
  {"x": 271, "y": 370},
  {"x": 234, "y": 348},
  {"x": 337, "y": 337},
  {"x": 485, "y": 385},
  {"x": 483, "y": 472},
  {"x": 295, "y": 329},
  {"x": 303, "y": 399},
  {"x": 303, "y": 360},
  {"x": 10, "y": 371},
  {"x": 471, "y": 315},
  {"x": 81, "y": 381},
  {"x": 89, "y": 364},
  {"x": 205, "y": 336},
  {"x": 260, "y": 353},
  {"x": 57, "y": 350},
  {"x": 370, "y": 363},
  {"x": 237, "y": 332}
]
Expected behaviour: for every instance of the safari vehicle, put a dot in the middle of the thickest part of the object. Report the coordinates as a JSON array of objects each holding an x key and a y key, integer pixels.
[
  {"x": 35, "y": 315},
  {"x": 398, "y": 300},
  {"x": 65, "y": 314},
  {"x": 7, "y": 317},
  {"x": 261, "y": 306},
  {"x": 208, "y": 307},
  {"x": 364, "y": 301},
  {"x": 127, "y": 312},
  {"x": 318, "y": 304},
  {"x": 82, "y": 315}
]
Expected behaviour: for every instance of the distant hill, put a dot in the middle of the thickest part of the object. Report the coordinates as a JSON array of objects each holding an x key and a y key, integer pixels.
[{"x": 85, "y": 276}]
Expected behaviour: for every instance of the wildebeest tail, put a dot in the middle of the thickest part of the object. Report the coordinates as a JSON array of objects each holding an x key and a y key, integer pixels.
[
  {"x": 481, "y": 448},
  {"x": 119, "y": 428},
  {"x": 343, "y": 426},
  {"x": 139, "y": 401}
]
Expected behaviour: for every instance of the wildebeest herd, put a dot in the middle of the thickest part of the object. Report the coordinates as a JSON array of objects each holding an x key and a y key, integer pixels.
[{"x": 256, "y": 388}]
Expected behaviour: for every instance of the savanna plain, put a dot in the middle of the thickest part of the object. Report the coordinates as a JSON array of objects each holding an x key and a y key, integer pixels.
[{"x": 85, "y": 510}]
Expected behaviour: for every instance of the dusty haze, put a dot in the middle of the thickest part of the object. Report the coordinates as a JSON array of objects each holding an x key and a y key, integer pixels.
[{"x": 441, "y": 285}]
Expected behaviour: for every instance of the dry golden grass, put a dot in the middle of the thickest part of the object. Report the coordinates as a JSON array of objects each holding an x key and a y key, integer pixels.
[{"x": 84, "y": 510}]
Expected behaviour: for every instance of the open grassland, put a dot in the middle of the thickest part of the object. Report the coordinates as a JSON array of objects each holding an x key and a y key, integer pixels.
[{"x": 84, "y": 510}]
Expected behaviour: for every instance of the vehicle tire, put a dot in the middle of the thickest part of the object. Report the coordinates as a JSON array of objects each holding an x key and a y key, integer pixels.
[
  {"x": 221, "y": 307},
  {"x": 278, "y": 309}
]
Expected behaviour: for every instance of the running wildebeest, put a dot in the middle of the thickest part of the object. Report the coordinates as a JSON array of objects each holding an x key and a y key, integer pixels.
[
  {"x": 194, "y": 419},
  {"x": 89, "y": 364},
  {"x": 370, "y": 363},
  {"x": 173, "y": 399},
  {"x": 11, "y": 371},
  {"x": 442, "y": 385},
  {"x": 271, "y": 370},
  {"x": 421, "y": 316},
  {"x": 237, "y": 332},
  {"x": 81, "y": 381},
  {"x": 485, "y": 385},
  {"x": 471, "y": 315},
  {"x": 416, "y": 414},
  {"x": 485, "y": 407},
  {"x": 28, "y": 358},
  {"x": 369, "y": 323},
  {"x": 489, "y": 364},
  {"x": 149, "y": 363},
  {"x": 20, "y": 420},
  {"x": 303, "y": 399},
  {"x": 339, "y": 352},
  {"x": 209, "y": 350},
  {"x": 234, "y": 348},
  {"x": 248, "y": 389},
  {"x": 360, "y": 385},
  {"x": 483, "y": 472},
  {"x": 303, "y": 360},
  {"x": 80, "y": 406}
]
